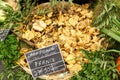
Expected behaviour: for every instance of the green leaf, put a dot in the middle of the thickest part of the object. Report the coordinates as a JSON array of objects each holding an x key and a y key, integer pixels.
[
  {"x": 1, "y": 76},
  {"x": 10, "y": 75},
  {"x": 1, "y": 56}
]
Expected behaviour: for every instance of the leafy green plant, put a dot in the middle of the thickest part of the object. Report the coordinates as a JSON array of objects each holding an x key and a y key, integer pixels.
[
  {"x": 9, "y": 50},
  {"x": 2, "y": 12},
  {"x": 54, "y": 2},
  {"x": 101, "y": 66},
  {"x": 108, "y": 9},
  {"x": 9, "y": 54},
  {"x": 15, "y": 73},
  {"x": 106, "y": 12},
  {"x": 114, "y": 31},
  {"x": 10, "y": 16},
  {"x": 42, "y": 11}
]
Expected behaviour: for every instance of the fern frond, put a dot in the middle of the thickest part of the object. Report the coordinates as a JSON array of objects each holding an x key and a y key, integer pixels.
[{"x": 104, "y": 12}]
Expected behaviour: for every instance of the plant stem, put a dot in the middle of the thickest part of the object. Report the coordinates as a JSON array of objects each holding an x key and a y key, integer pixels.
[
  {"x": 115, "y": 30},
  {"x": 116, "y": 22},
  {"x": 111, "y": 34}
]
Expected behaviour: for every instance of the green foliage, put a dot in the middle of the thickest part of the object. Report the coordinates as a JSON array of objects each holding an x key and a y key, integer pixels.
[
  {"x": 9, "y": 50},
  {"x": 105, "y": 12},
  {"x": 108, "y": 9},
  {"x": 11, "y": 16},
  {"x": 70, "y": 1},
  {"x": 26, "y": 6},
  {"x": 113, "y": 32},
  {"x": 15, "y": 73},
  {"x": 43, "y": 11},
  {"x": 9, "y": 54},
  {"x": 101, "y": 66},
  {"x": 54, "y": 2}
]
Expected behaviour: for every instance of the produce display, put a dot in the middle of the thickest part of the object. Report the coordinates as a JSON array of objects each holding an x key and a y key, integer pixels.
[
  {"x": 71, "y": 31},
  {"x": 87, "y": 39}
]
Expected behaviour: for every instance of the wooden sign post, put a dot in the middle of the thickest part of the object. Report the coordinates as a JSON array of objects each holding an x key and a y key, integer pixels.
[{"x": 44, "y": 61}]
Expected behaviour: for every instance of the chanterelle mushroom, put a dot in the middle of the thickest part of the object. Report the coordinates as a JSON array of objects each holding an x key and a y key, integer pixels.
[{"x": 39, "y": 25}]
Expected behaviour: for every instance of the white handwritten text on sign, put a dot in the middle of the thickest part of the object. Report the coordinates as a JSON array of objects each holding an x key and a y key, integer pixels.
[{"x": 44, "y": 61}]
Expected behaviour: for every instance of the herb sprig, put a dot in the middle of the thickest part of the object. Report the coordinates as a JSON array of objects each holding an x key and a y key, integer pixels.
[
  {"x": 104, "y": 18},
  {"x": 9, "y": 50},
  {"x": 11, "y": 16},
  {"x": 15, "y": 73},
  {"x": 101, "y": 66},
  {"x": 108, "y": 9}
]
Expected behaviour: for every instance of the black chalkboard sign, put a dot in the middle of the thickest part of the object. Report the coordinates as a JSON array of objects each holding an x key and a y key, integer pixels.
[
  {"x": 44, "y": 61},
  {"x": 3, "y": 34}
]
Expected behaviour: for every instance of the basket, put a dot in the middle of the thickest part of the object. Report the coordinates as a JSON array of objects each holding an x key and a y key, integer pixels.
[{"x": 80, "y": 28}]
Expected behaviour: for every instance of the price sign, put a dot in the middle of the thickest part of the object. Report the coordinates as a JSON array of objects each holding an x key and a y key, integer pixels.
[
  {"x": 44, "y": 61},
  {"x": 3, "y": 34}
]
